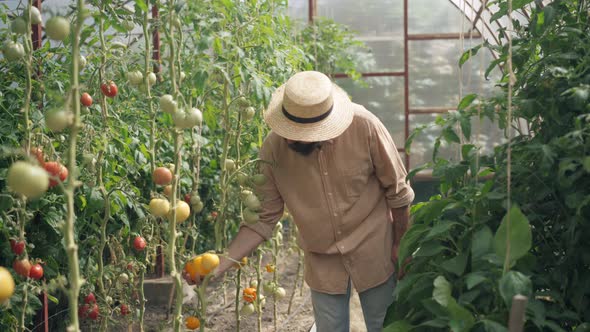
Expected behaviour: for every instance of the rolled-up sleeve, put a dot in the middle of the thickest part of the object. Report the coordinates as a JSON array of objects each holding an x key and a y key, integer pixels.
[
  {"x": 270, "y": 198},
  {"x": 389, "y": 167}
]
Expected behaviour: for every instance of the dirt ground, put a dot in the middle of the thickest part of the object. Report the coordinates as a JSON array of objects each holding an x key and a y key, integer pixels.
[{"x": 221, "y": 312}]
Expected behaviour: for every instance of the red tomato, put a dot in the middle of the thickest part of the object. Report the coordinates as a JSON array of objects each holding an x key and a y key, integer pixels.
[
  {"x": 38, "y": 154},
  {"x": 187, "y": 198},
  {"x": 56, "y": 169},
  {"x": 83, "y": 311},
  {"x": 139, "y": 243},
  {"x": 18, "y": 247},
  {"x": 36, "y": 272},
  {"x": 109, "y": 89},
  {"x": 90, "y": 298},
  {"x": 86, "y": 99},
  {"x": 94, "y": 312},
  {"x": 124, "y": 310},
  {"x": 162, "y": 176},
  {"x": 22, "y": 267}
]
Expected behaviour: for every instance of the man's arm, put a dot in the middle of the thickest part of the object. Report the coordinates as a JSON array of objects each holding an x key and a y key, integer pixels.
[{"x": 241, "y": 246}]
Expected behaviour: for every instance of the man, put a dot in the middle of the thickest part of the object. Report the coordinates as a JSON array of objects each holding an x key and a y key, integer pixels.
[{"x": 336, "y": 168}]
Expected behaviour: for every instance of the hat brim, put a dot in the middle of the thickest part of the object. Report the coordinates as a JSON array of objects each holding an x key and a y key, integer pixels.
[{"x": 330, "y": 127}]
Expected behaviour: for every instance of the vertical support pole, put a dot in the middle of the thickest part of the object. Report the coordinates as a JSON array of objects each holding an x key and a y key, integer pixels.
[
  {"x": 37, "y": 34},
  {"x": 42, "y": 317},
  {"x": 160, "y": 262},
  {"x": 516, "y": 320},
  {"x": 156, "y": 40},
  {"x": 312, "y": 10},
  {"x": 406, "y": 84}
]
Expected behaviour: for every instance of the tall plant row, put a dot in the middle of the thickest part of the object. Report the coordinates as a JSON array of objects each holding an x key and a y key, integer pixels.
[
  {"x": 512, "y": 222},
  {"x": 108, "y": 152}
]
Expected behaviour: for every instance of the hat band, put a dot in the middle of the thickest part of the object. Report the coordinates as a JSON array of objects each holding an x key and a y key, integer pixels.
[{"x": 307, "y": 120}]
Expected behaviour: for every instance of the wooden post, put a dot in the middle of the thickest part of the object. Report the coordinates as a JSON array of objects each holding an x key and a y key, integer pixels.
[{"x": 517, "y": 311}]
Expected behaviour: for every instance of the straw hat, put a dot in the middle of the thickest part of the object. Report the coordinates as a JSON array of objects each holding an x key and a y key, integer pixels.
[{"x": 309, "y": 108}]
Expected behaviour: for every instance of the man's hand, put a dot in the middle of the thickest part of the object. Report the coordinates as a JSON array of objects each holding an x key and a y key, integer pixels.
[{"x": 187, "y": 277}]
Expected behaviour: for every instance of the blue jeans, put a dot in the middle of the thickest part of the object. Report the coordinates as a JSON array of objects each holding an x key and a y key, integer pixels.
[{"x": 332, "y": 312}]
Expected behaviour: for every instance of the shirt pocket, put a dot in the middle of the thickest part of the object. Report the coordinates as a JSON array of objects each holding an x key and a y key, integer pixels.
[{"x": 356, "y": 179}]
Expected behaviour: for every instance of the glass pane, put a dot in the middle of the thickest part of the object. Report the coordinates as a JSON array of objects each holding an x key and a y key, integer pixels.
[
  {"x": 298, "y": 9},
  {"x": 434, "y": 72},
  {"x": 378, "y": 23},
  {"x": 423, "y": 144},
  {"x": 384, "y": 98},
  {"x": 484, "y": 134},
  {"x": 427, "y": 16}
]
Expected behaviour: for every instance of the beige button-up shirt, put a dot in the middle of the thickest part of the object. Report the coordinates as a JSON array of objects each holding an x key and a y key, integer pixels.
[{"x": 340, "y": 198}]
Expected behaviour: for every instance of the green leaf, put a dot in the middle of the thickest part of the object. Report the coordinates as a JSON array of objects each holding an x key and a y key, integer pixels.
[
  {"x": 456, "y": 264},
  {"x": 442, "y": 291},
  {"x": 399, "y": 326},
  {"x": 466, "y": 149},
  {"x": 513, "y": 283},
  {"x": 450, "y": 136},
  {"x": 466, "y": 101},
  {"x": 587, "y": 164},
  {"x": 468, "y": 54},
  {"x": 491, "y": 326},
  {"x": 481, "y": 243},
  {"x": 141, "y": 5},
  {"x": 519, "y": 235},
  {"x": 473, "y": 279},
  {"x": 439, "y": 228},
  {"x": 409, "y": 241},
  {"x": 461, "y": 319},
  {"x": 429, "y": 249},
  {"x": 465, "y": 123}
]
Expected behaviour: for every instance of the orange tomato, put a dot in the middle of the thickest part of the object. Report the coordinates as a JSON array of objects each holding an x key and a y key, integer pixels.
[
  {"x": 192, "y": 323},
  {"x": 242, "y": 263},
  {"x": 270, "y": 268},
  {"x": 249, "y": 294},
  {"x": 191, "y": 268},
  {"x": 210, "y": 261},
  {"x": 201, "y": 270}
]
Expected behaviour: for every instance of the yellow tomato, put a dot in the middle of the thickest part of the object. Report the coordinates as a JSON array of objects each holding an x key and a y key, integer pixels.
[
  {"x": 210, "y": 261},
  {"x": 6, "y": 284}
]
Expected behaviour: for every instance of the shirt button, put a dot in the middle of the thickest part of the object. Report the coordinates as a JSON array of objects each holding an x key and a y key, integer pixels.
[
  {"x": 335, "y": 214},
  {"x": 339, "y": 232},
  {"x": 329, "y": 194},
  {"x": 341, "y": 247},
  {"x": 325, "y": 173}
]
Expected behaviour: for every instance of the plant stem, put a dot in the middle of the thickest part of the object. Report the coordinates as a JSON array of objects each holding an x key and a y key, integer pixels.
[
  {"x": 259, "y": 283},
  {"x": 238, "y": 289},
  {"x": 275, "y": 278},
  {"x": 172, "y": 233},
  {"x": 203, "y": 302},
  {"x": 71, "y": 247},
  {"x": 23, "y": 326},
  {"x": 220, "y": 220}
]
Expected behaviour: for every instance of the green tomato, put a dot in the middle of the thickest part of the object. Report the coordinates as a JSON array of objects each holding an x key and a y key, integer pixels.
[
  {"x": 252, "y": 202},
  {"x": 26, "y": 179},
  {"x": 57, "y": 28},
  {"x": 36, "y": 17},
  {"x": 19, "y": 26},
  {"x": 168, "y": 104},
  {"x": 57, "y": 120},
  {"x": 258, "y": 179},
  {"x": 13, "y": 51},
  {"x": 250, "y": 217}
]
